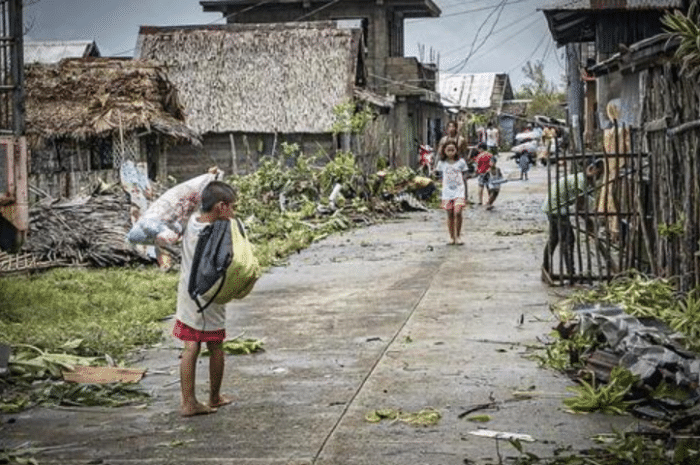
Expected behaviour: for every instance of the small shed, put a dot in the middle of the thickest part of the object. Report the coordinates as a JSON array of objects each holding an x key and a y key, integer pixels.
[
  {"x": 85, "y": 116},
  {"x": 53, "y": 51},
  {"x": 249, "y": 87}
]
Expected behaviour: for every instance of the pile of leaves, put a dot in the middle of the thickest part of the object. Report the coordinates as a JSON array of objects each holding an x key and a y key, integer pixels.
[
  {"x": 287, "y": 203},
  {"x": 641, "y": 297},
  {"x": 36, "y": 379}
]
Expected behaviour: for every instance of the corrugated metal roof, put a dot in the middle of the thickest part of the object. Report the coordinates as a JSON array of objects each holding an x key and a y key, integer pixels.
[
  {"x": 467, "y": 90},
  {"x": 611, "y": 4},
  {"x": 53, "y": 51}
]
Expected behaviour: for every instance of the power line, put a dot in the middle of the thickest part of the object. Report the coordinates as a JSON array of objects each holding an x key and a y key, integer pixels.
[
  {"x": 527, "y": 26},
  {"x": 539, "y": 44},
  {"x": 464, "y": 12},
  {"x": 498, "y": 10}
]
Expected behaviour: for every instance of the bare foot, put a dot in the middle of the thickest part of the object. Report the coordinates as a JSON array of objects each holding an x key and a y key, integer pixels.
[
  {"x": 196, "y": 409},
  {"x": 220, "y": 402},
  {"x": 459, "y": 242}
]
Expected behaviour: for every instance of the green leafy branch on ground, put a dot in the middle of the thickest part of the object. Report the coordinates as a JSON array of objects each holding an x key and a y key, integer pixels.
[
  {"x": 645, "y": 298},
  {"x": 286, "y": 208},
  {"x": 622, "y": 448},
  {"x": 423, "y": 417},
  {"x": 606, "y": 397}
]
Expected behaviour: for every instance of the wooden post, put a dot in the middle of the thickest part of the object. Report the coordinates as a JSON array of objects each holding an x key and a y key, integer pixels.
[
  {"x": 234, "y": 161},
  {"x": 247, "y": 152}
]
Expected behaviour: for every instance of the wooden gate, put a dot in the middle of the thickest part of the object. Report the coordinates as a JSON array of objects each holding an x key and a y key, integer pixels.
[{"x": 599, "y": 227}]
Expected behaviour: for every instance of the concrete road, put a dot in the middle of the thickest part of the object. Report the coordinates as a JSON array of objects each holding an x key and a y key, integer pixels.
[{"x": 385, "y": 317}]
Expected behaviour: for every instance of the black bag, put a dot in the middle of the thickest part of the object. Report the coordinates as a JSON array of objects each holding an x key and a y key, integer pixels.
[{"x": 212, "y": 256}]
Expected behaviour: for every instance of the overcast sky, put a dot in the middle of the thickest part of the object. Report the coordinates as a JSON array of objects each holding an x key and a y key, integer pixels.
[{"x": 502, "y": 39}]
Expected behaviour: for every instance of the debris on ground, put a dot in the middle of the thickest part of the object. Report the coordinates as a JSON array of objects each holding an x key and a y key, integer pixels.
[
  {"x": 424, "y": 417},
  {"x": 284, "y": 207},
  {"x": 631, "y": 345}
]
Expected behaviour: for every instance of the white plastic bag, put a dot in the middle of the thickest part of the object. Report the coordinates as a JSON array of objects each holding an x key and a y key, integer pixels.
[{"x": 164, "y": 221}]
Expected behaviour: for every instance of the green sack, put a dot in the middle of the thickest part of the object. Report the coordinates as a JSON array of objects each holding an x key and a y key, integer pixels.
[{"x": 241, "y": 274}]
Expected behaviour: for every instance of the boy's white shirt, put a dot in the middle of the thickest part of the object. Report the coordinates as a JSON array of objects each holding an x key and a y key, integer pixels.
[{"x": 214, "y": 316}]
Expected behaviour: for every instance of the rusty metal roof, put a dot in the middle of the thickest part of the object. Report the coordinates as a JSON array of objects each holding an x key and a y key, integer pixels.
[{"x": 611, "y": 4}]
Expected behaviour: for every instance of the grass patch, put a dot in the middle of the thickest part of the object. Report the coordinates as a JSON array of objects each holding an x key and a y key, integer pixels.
[{"x": 113, "y": 311}]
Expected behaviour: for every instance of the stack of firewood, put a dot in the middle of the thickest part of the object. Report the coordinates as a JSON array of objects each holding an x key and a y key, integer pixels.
[{"x": 84, "y": 231}]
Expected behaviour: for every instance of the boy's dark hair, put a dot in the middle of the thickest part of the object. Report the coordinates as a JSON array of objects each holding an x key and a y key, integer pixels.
[
  {"x": 482, "y": 146},
  {"x": 215, "y": 192}
]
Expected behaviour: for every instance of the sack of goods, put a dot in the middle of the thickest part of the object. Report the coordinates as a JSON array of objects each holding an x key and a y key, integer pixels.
[
  {"x": 223, "y": 267},
  {"x": 164, "y": 221}
]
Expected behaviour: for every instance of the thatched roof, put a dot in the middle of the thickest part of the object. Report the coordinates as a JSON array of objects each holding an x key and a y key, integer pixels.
[
  {"x": 81, "y": 98},
  {"x": 270, "y": 78}
]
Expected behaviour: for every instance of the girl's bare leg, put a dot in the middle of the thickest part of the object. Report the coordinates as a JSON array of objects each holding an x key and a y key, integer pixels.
[
  {"x": 458, "y": 228},
  {"x": 451, "y": 225}
]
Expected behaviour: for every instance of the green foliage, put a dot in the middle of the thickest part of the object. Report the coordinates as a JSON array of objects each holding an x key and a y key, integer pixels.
[
  {"x": 351, "y": 119},
  {"x": 565, "y": 353},
  {"x": 424, "y": 417},
  {"x": 673, "y": 229},
  {"x": 111, "y": 311},
  {"x": 286, "y": 208},
  {"x": 686, "y": 27},
  {"x": 645, "y": 298},
  {"x": 606, "y": 398},
  {"x": 623, "y": 448},
  {"x": 93, "y": 395},
  {"x": 545, "y": 97},
  {"x": 239, "y": 346},
  {"x": 638, "y": 295}
]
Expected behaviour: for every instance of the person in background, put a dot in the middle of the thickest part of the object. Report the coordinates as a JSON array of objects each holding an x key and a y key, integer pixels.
[
  {"x": 524, "y": 165},
  {"x": 492, "y": 138},
  {"x": 193, "y": 327},
  {"x": 451, "y": 135},
  {"x": 453, "y": 199},
  {"x": 569, "y": 194},
  {"x": 494, "y": 182},
  {"x": 483, "y": 163}
]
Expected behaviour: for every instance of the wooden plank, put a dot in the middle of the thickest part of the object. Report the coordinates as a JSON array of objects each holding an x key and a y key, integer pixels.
[
  {"x": 657, "y": 125},
  {"x": 103, "y": 375}
]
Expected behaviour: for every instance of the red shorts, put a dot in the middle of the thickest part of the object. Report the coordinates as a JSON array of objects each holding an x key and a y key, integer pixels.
[
  {"x": 185, "y": 333},
  {"x": 454, "y": 204}
]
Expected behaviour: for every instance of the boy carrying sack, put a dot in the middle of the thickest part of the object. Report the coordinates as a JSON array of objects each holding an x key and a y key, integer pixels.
[{"x": 196, "y": 323}]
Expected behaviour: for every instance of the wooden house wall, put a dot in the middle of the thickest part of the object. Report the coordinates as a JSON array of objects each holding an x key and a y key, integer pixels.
[
  {"x": 186, "y": 161},
  {"x": 66, "y": 167},
  {"x": 671, "y": 113}
]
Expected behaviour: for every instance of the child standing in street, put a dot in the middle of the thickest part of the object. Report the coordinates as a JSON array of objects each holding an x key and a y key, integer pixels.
[
  {"x": 495, "y": 179},
  {"x": 483, "y": 163},
  {"x": 524, "y": 165},
  {"x": 193, "y": 327},
  {"x": 454, "y": 171}
]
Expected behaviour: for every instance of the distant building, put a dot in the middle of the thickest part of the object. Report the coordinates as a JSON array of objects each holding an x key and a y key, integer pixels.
[
  {"x": 53, "y": 51},
  {"x": 479, "y": 92},
  {"x": 417, "y": 109}
]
